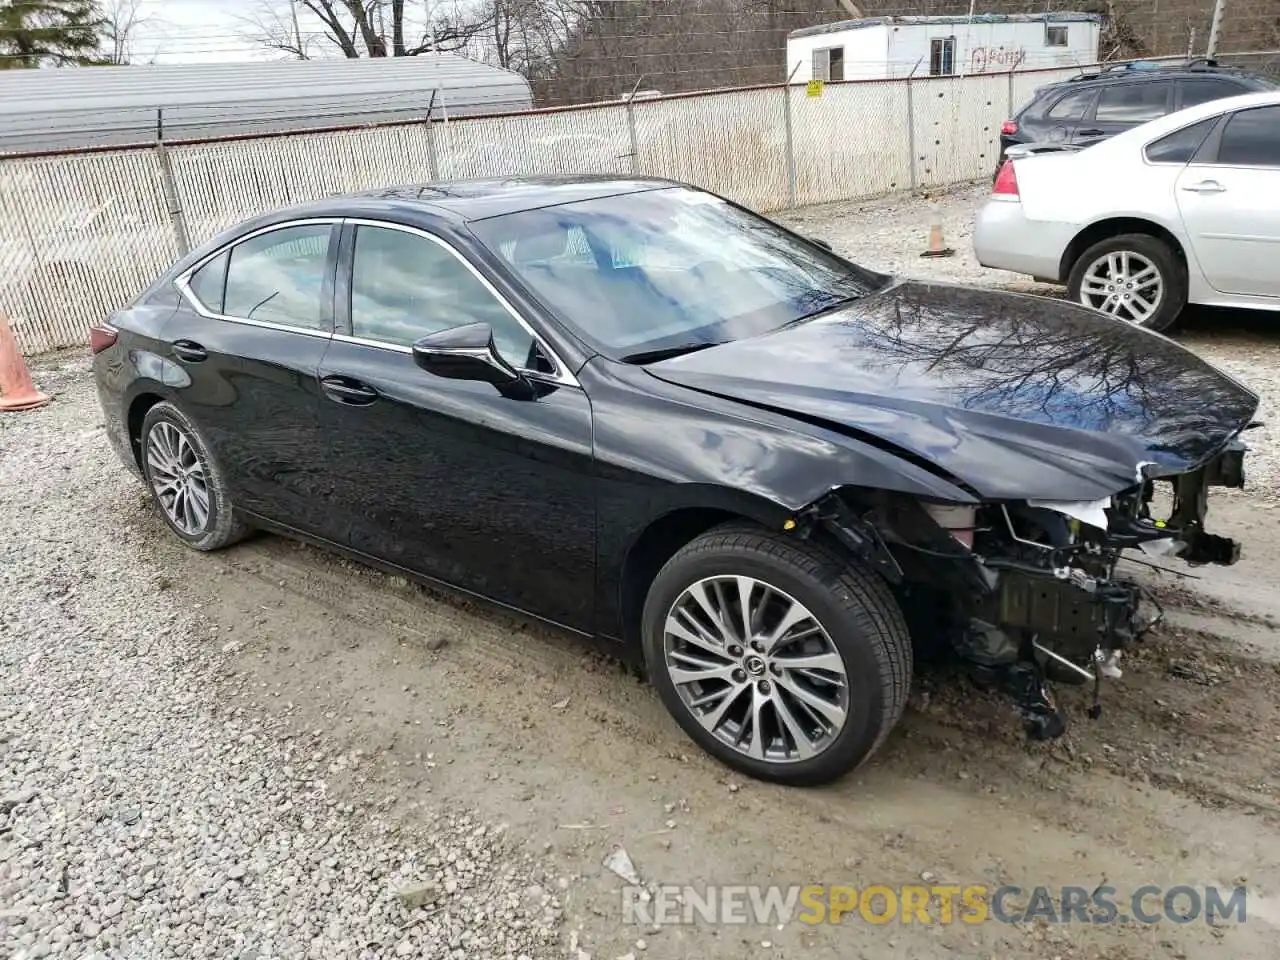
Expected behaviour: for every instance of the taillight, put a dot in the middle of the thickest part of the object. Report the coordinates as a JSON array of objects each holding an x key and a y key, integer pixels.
[
  {"x": 1009, "y": 128},
  {"x": 1006, "y": 181},
  {"x": 101, "y": 337}
]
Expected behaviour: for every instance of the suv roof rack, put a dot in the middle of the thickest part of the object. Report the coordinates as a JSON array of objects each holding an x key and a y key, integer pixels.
[{"x": 1193, "y": 65}]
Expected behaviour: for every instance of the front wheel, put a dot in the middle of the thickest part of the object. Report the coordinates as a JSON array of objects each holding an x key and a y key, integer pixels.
[
  {"x": 779, "y": 658},
  {"x": 1134, "y": 277}
]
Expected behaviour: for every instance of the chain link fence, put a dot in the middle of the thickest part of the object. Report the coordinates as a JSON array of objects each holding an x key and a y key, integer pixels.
[{"x": 82, "y": 234}]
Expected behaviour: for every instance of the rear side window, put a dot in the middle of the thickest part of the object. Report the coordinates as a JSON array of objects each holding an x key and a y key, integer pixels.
[
  {"x": 1203, "y": 90},
  {"x": 279, "y": 277},
  {"x": 1133, "y": 102},
  {"x": 1181, "y": 145},
  {"x": 208, "y": 283},
  {"x": 1073, "y": 106},
  {"x": 1252, "y": 138}
]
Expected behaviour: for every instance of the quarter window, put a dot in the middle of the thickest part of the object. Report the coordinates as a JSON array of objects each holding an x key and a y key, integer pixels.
[
  {"x": 279, "y": 277},
  {"x": 405, "y": 287},
  {"x": 1181, "y": 145},
  {"x": 208, "y": 282},
  {"x": 1133, "y": 102},
  {"x": 1251, "y": 138},
  {"x": 1203, "y": 90}
]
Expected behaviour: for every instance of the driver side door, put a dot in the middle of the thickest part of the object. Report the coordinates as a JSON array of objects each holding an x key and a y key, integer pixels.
[{"x": 452, "y": 479}]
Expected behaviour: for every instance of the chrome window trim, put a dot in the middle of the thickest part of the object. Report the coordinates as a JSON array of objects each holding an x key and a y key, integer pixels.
[
  {"x": 183, "y": 280},
  {"x": 561, "y": 375}
]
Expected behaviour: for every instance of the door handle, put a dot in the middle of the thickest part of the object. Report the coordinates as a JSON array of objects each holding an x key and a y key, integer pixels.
[
  {"x": 348, "y": 391},
  {"x": 190, "y": 351},
  {"x": 1090, "y": 133},
  {"x": 1205, "y": 186}
]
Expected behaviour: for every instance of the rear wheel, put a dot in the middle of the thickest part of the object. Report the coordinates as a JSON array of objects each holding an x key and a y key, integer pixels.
[
  {"x": 778, "y": 657},
  {"x": 185, "y": 481},
  {"x": 1134, "y": 277}
]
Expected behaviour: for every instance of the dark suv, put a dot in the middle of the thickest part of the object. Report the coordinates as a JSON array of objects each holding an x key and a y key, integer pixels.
[{"x": 1094, "y": 106}]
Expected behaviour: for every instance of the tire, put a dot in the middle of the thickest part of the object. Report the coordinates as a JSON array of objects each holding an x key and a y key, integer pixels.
[
  {"x": 1157, "y": 253},
  {"x": 220, "y": 527},
  {"x": 856, "y": 617}
]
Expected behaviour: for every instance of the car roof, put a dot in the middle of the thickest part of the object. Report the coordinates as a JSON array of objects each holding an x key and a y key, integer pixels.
[
  {"x": 1156, "y": 71},
  {"x": 479, "y": 199}
]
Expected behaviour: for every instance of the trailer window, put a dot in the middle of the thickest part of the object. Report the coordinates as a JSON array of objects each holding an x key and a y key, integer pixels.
[
  {"x": 1055, "y": 36},
  {"x": 942, "y": 57}
]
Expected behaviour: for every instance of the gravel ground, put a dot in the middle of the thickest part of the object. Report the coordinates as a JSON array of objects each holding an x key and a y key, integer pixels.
[
  {"x": 889, "y": 233},
  {"x": 142, "y": 813}
]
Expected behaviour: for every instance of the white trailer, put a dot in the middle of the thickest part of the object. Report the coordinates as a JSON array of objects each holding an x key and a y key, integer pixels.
[{"x": 888, "y": 48}]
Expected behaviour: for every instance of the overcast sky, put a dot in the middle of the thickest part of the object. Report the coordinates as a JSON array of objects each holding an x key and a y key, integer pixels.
[{"x": 211, "y": 31}]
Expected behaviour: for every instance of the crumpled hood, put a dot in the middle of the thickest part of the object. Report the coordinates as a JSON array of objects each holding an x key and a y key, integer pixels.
[{"x": 1015, "y": 396}]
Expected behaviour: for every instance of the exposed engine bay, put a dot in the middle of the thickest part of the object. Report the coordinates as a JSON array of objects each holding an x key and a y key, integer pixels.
[{"x": 1028, "y": 593}]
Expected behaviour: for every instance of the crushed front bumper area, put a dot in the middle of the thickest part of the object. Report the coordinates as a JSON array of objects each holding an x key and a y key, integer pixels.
[{"x": 1028, "y": 593}]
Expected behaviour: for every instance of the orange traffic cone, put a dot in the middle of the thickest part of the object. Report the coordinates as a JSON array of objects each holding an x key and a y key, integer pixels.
[
  {"x": 937, "y": 248},
  {"x": 17, "y": 392}
]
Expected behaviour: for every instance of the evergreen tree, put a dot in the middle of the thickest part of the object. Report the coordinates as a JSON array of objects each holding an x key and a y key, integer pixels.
[{"x": 37, "y": 33}]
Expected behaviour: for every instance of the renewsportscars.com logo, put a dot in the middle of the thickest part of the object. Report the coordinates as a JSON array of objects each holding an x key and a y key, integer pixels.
[{"x": 930, "y": 904}]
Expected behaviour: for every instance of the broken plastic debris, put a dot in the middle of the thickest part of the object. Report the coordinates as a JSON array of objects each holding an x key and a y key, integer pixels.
[
  {"x": 620, "y": 863},
  {"x": 1092, "y": 512}
]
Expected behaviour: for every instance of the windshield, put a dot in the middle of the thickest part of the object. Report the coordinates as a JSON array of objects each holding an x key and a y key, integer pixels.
[{"x": 663, "y": 271}]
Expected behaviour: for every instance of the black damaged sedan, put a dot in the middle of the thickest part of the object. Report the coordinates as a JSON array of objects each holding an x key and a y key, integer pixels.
[{"x": 639, "y": 411}]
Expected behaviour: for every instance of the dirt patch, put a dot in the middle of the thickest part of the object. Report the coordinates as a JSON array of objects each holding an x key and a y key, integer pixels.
[{"x": 425, "y": 702}]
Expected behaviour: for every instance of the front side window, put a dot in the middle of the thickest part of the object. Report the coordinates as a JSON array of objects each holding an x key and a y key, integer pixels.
[
  {"x": 1181, "y": 145},
  {"x": 405, "y": 286},
  {"x": 1133, "y": 102},
  {"x": 1252, "y": 138},
  {"x": 663, "y": 269},
  {"x": 278, "y": 277}
]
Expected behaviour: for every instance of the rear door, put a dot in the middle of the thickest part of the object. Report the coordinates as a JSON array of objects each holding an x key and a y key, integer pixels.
[
  {"x": 1122, "y": 106},
  {"x": 247, "y": 344},
  {"x": 1229, "y": 199}
]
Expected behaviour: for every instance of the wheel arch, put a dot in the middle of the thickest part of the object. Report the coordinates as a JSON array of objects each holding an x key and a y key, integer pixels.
[
  {"x": 1113, "y": 227},
  {"x": 698, "y": 508},
  {"x": 135, "y": 413}
]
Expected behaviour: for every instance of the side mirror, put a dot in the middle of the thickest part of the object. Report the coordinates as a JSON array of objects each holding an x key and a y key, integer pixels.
[{"x": 465, "y": 353}]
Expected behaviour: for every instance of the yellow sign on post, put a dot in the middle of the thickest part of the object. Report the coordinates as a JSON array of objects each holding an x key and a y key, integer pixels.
[{"x": 815, "y": 88}]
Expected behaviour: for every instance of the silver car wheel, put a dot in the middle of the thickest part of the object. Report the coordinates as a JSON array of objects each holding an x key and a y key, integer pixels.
[
  {"x": 177, "y": 478},
  {"x": 1124, "y": 284},
  {"x": 756, "y": 668}
]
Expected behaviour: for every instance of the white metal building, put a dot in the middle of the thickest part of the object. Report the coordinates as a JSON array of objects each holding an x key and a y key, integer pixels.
[
  {"x": 69, "y": 108},
  {"x": 884, "y": 48}
]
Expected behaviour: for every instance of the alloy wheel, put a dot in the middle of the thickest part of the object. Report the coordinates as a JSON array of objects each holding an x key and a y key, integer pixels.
[
  {"x": 178, "y": 478},
  {"x": 1124, "y": 284},
  {"x": 755, "y": 667}
]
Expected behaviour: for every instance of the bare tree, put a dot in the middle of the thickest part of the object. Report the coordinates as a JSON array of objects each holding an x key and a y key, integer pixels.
[
  {"x": 360, "y": 28},
  {"x": 122, "y": 19}
]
